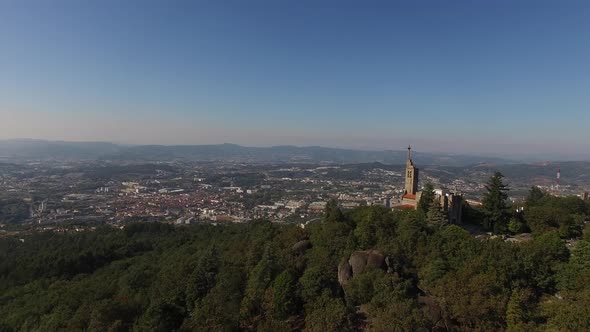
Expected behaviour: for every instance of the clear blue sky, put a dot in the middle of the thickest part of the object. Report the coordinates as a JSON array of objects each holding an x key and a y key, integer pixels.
[{"x": 494, "y": 77}]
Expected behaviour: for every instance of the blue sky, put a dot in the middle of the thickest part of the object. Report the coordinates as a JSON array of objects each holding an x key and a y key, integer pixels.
[{"x": 493, "y": 77}]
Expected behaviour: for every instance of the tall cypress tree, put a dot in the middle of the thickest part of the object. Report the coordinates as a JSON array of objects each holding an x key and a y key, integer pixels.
[
  {"x": 495, "y": 207},
  {"x": 436, "y": 216},
  {"x": 426, "y": 198}
]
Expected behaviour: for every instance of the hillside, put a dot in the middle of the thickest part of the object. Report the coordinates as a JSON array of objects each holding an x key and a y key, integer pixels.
[{"x": 370, "y": 268}]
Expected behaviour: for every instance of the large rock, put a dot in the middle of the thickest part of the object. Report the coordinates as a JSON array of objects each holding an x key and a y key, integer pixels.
[
  {"x": 366, "y": 259},
  {"x": 359, "y": 262},
  {"x": 375, "y": 260},
  {"x": 301, "y": 246},
  {"x": 344, "y": 272}
]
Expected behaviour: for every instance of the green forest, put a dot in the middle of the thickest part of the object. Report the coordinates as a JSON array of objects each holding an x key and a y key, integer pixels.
[{"x": 370, "y": 268}]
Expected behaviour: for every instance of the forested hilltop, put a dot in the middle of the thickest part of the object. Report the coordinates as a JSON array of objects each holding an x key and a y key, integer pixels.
[{"x": 370, "y": 268}]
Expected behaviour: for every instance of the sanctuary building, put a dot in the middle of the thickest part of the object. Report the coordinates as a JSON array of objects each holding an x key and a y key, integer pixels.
[{"x": 451, "y": 203}]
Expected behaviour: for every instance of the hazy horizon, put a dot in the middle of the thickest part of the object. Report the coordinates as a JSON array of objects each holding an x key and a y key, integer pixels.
[
  {"x": 530, "y": 157},
  {"x": 497, "y": 79}
]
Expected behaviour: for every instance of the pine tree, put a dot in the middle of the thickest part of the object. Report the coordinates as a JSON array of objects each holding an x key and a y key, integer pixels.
[
  {"x": 517, "y": 311},
  {"x": 436, "y": 216},
  {"x": 426, "y": 198},
  {"x": 284, "y": 295},
  {"x": 333, "y": 212},
  {"x": 259, "y": 280},
  {"x": 515, "y": 226},
  {"x": 534, "y": 196},
  {"x": 494, "y": 203},
  {"x": 203, "y": 277}
]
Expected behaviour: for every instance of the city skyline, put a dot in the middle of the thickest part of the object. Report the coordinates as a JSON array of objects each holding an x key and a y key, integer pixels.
[{"x": 494, "y": 79}]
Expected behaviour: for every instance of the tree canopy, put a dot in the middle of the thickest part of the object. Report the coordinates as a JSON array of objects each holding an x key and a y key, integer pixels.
[
  {"x": 280, "y": 277},
  {"x": 426, "y": 198}
]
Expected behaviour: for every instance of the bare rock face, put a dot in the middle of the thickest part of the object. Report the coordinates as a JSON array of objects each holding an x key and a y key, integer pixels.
[
  {"x": 375, "y": 260},
  {"x": 301, "y": 246},
  {"x": 359, "y": 262},
  {"x": 344, "y": 272}
]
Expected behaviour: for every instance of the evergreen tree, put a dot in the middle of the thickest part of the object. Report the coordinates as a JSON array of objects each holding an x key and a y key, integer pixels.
[
  {"x": 327, "y": 313},
  {"x": 516, "y": 226},
  {"x": 161, "y": 316},
  {"x": 494, "y": 204},
  {"x": 426, "y": 198},
  {"x": 284, "y": 295},
  {"x": 203, "y": 277},
  {"x": 436, "y": 216},
  {"x": 517, "y": 311},
  {"x": 333, "y": 212},
  {"x": 534, "y": 196},
  {"x": 258, "y": 281}
]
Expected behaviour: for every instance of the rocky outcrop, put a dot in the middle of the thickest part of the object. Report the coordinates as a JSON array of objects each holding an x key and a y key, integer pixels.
[
  {"x": 375, "y": 260},
  {"x": 359, "y": 262},
  {"x": 301, "y": 246},
  {"x": 367, "y": 259},
  {"x": 344, "y": 272}
]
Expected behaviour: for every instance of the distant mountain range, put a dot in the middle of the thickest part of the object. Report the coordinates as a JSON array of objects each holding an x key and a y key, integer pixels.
[
  {"x": 40, "y": 150},
  {"x": 290, "y": 154},
  {"x": 446, "y": 168},
  {"x": 30, "y": 150}
]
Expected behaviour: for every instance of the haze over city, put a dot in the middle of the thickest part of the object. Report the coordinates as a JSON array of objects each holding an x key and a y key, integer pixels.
[{"x": 493, "y": 78}]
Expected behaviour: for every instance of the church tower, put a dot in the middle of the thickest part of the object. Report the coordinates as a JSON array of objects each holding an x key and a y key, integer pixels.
[{"x": 411, "y": 175}]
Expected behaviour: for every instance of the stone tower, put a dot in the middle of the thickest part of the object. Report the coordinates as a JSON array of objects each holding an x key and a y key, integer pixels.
[{"x": 411, "y": 175}]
